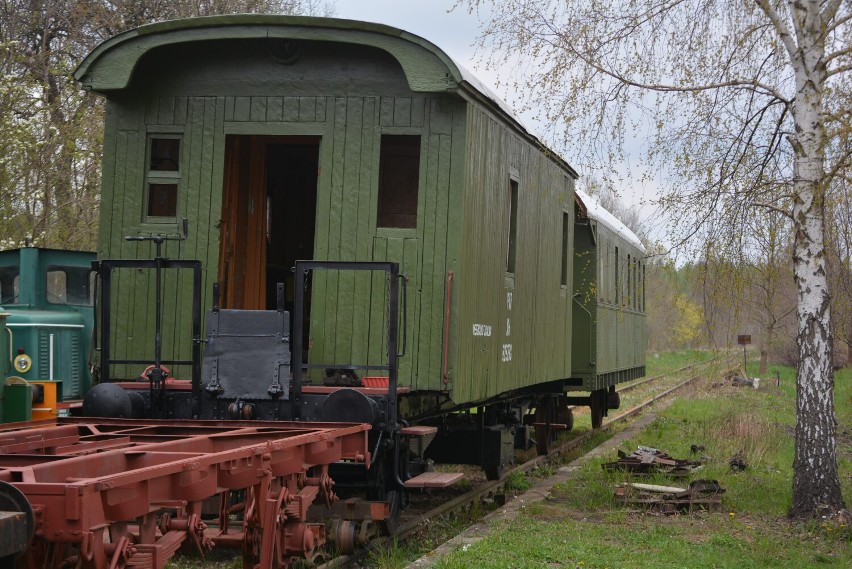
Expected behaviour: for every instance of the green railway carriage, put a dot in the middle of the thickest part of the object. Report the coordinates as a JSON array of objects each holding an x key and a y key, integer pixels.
[
  {"x": 609, "y": 332},
  {"x": 282, "y": 138},
  {"x": 47, "y": 298}
]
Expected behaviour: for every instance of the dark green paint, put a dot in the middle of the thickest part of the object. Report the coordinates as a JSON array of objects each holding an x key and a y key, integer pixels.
[{"x": 205, "y": 79}]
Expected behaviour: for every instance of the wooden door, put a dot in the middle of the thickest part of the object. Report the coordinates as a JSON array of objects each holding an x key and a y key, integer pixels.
[{"x": 242, "y": 250}]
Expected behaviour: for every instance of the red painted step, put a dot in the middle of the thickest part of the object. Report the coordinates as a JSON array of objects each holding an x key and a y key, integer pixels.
[{"x": 434, "y": 480}]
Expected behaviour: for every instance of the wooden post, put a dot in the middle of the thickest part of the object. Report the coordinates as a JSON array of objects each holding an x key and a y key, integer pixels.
[{"x": 744, "y": 340}]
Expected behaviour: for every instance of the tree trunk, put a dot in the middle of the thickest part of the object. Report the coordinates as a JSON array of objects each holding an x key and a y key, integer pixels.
[
  {"x": 816, "y": 485},
  {"x": 768, "y": 337},
  {"x": 764, "y": 361}
]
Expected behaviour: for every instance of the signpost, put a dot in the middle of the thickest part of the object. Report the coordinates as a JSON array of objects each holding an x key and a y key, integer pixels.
[{"x": 744, "y": 340}]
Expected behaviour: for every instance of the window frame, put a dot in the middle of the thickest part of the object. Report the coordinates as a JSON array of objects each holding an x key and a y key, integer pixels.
[
  {"x": 64, "y": 270},
  {"x": 513, "y": 200},
  {"x": 162, "y": 177},
  {"x": 566, "y": 238},
  {"x": 393, "y": 229}
]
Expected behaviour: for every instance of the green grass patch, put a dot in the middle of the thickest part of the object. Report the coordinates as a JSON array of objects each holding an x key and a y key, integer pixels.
[
  {"x": 551, "y": 538},
  {"x": 581, "y": 524},
  {"x": 518, "y": 482},
  {"x": 659, "y": 363}
]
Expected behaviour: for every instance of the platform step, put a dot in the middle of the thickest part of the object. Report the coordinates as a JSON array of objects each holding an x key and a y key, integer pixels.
[
  {"x": 419, "y": 431},
  {"x": 554, "y": 426},
  {"x": 434, "y": 480}
]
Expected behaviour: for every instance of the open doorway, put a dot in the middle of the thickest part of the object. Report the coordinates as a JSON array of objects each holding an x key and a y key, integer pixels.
[
  {"x": 291, "y": 181},
  {"x": 268, "y": 217}
]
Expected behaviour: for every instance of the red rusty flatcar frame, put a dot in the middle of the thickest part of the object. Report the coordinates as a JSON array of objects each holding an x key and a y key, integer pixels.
[{"x": 102, "y": 489}]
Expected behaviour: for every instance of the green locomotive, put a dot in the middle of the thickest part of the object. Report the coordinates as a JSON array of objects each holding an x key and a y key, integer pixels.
[
  {"x": 46, "y": 318},
  {"x": 278, "y": 139}
]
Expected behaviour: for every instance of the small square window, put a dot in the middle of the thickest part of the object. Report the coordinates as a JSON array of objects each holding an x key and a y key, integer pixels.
[
  {"x": 399, "y": 178},
  {"x": 165, "y": 154},
  {"x": 162, "y": 178},
  {"x": 162, "y": 200}
]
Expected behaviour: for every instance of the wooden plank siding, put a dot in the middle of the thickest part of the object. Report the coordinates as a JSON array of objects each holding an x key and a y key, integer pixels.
[
  {"x": 346, "y": 218},
  {"x": 536, "y": 321},
  {"x": 468, "y": 155}
]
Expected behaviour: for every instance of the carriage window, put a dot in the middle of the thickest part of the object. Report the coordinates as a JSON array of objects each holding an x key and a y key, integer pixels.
[
  {"x": 399, "y": 178},
  {"x": 629, "y": 298},
  {"x": 564, "y": 274},
  {"x": 163, "y": 178},
  {"x": 70, "y": 285},
  {"x": 512, "y": 229},
  {"x": 615, "y": 268},
  {"x": 9, "y": 282},
  {"x": 635, "y": 268}
]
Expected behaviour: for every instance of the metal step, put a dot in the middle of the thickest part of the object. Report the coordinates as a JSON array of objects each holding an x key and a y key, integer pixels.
[
  {"x": 434, "y": 480},
  {"x": 419, "y": 431}
]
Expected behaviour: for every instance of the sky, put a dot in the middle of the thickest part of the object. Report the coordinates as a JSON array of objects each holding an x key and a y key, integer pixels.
[
  {"x": 455, "y": 31},
  {"x": 435, "y": 20}
]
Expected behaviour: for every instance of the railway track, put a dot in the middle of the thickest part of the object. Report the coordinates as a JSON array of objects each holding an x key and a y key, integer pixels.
[
  {"x": 490, "y": 489},
  {"x": 126, "y": 466}
]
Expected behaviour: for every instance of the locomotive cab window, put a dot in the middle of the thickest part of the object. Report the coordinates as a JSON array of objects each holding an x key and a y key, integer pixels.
[
  {"x": 399, "y": 178},
  {"x": 70, "y": 285},
  {"x": 9, "y": 283},
  {"x": 163, "y": 178}
]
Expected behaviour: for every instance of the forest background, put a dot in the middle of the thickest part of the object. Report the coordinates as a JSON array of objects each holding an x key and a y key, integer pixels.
[{"x": 51, "y": 144}]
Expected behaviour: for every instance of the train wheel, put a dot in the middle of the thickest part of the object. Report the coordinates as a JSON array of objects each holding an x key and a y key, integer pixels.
[
  {"x": 598, "y": 406},
  {"x": 494, "y": 472},
  {"x": 545, "y": 416},
  {"x": 343, "y": 534},
  {"x": 394, "y": 500},
  {"x": 13, "y": 500},
  {"x": 564, "y": 414},
  {"x": 613, "y": 400}
]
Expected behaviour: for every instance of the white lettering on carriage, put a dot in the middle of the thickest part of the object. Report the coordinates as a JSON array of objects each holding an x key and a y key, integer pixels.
[{"x": 481, "y": 330}]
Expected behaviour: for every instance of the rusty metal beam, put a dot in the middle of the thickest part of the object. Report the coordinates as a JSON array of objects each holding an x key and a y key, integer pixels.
[{"x": 90, "y": 482}]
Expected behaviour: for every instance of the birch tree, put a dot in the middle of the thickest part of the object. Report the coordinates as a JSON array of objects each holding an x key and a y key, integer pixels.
[{"x": 742, "y": 104}]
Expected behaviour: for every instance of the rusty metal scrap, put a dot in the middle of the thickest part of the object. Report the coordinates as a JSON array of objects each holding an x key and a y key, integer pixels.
[
  {"x": 700, "y": 495},
  {"x": 645, "y": 461},
  {"x": 116, "y": 494}
]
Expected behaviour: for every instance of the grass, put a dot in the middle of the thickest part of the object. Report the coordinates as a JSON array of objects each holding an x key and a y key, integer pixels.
[
  {"x": 659, "y": 363},
  {"x": 581, "y": 525}
]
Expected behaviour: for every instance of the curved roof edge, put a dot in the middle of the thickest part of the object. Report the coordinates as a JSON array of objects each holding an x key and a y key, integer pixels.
[
  {"x": 605, "y": 218},
  {"x": 110, "y": 65}
]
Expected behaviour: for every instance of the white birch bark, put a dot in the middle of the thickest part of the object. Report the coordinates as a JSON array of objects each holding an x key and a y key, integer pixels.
[{"x": 815, "y": 479}]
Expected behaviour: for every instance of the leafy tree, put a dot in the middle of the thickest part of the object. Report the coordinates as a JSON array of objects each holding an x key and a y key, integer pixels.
[
  {"x": 747, "y": 103},
  {"x": 50, "y": 130}
]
